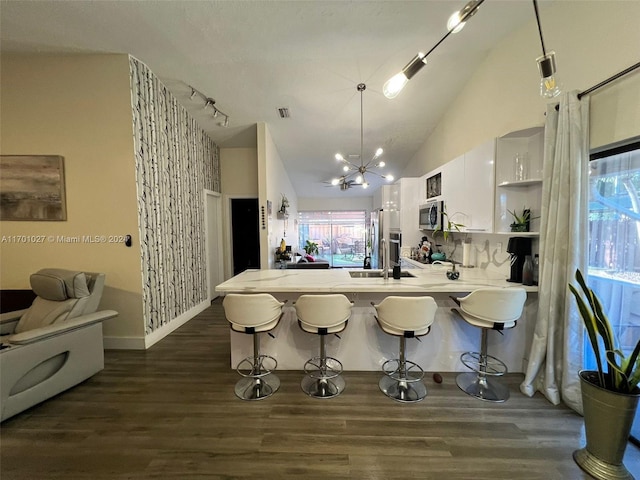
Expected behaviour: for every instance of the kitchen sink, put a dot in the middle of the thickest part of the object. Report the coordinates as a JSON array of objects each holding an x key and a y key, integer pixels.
[{"x": 376, "y": 274}]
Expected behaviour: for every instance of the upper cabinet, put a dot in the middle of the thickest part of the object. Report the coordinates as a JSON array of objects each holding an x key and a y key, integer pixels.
[
  {"x": 410, "y": 201},
  {"x": 468, "y": 188},
  {"x": 519, "y": 159},
  {"x": 390, "y": 202}
]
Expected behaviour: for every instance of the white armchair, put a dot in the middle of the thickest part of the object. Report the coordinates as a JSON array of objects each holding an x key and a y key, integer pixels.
[{"x": 56, "y": 343}]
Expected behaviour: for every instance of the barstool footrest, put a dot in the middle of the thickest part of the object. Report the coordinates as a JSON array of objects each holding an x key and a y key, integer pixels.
[
  {"x": 314, "y": 369},
  {"x": 476, "y": 361},
  {"x": 412, "y": 371},
  {"x": 246, "y": 367}
]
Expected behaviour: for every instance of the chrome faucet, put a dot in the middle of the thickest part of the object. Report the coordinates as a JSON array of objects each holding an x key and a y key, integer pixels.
[{"x": 385, "y": 259}]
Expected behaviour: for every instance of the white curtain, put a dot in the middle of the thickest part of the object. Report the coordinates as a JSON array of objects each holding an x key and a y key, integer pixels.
[{"x": 556, "y": 353}]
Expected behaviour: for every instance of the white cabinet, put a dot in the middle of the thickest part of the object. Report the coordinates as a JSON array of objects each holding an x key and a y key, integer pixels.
[
  {"x": 519, "y": 190},
  {"x": 410, "y": 199},
  {"x": 478, "y": 192},
  {"x": 390, "y": 203},
  {"x": 453, "y": 190},
  {"x": 468, "y": 188}
]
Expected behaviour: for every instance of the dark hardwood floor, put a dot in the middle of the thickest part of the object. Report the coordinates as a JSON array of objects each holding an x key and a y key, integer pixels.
[{"x": 170, "y": 413}]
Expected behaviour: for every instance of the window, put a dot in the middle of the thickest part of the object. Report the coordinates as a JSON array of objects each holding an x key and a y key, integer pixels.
[
  {"x": 340, "y": 235},
  {"x": 614, "y": 244}
]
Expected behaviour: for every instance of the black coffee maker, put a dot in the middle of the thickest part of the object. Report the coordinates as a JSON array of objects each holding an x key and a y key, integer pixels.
[{"x": 519, "y": 248}]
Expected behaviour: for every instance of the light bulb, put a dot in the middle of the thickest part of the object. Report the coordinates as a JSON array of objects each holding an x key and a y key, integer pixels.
[
  {"x": 335, "y": 181},
  {"x": 389, "y": 178},
  {"x": 378, "y": 153},
  {"x": 339, "y": 157},
  {"x": 345, "y": 168},
  {"x": 549, "y": 85},
  {"x": 454, "y": 24},
  {"x": 365, "y": 185},
  {"x": 359, "y": 179},
  {"x": 395, "y": 84},
  {"x": 381, "y": 164}
]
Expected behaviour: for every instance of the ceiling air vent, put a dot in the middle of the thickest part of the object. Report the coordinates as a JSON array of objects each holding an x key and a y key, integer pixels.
[{"x": 283, "y": 112}]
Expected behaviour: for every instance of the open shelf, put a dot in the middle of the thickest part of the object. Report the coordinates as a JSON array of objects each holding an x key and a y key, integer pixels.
[
  {"x": 519, "y": 234},
  {"x": 521, "y": 183}
]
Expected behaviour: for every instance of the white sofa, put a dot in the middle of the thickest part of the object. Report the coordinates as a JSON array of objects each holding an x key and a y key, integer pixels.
[{"x": 56, "y": 343}]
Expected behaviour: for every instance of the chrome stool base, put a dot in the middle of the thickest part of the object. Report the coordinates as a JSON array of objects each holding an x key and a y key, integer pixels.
[
  {"x": 402, "y": 391},
  {"x": 483, "y": 388},
  {"x": 403, "y": 382},
  {"x": 323, "y": 387},
  {"x": 259, "y": 382},
  {"x": 257, "y": 388},
  {"x": 323, "y": 379}
]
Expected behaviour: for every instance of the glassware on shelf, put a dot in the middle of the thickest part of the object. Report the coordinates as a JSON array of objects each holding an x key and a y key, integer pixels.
[
  {"x": 520, "y": 167},
  {"x": 527, "y": 271}
]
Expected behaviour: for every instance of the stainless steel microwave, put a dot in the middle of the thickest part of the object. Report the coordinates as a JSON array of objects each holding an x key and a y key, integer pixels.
[{"x": 431, "y": 215}]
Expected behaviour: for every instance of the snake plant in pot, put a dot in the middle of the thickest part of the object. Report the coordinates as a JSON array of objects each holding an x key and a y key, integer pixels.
[{"x": 609, "y": 395}]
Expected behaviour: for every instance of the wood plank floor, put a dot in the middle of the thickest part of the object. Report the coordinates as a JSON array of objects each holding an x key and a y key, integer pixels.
[{"x": 170, "y": 413}]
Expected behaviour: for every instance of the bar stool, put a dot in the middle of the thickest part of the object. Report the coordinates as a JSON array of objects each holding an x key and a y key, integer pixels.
[
  {"x": 253, "y": 314},
  {"x": 322, "y": 315},
  {"x": 490, "y": 308},
  {"x": 404, "y": 317}
]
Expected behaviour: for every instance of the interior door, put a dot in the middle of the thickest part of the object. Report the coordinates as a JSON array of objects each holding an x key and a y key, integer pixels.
[{"x": 245, "y": 234}]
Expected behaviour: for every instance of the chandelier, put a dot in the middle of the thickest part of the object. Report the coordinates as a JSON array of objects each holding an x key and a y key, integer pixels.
[{"x": 354, "y": 173}]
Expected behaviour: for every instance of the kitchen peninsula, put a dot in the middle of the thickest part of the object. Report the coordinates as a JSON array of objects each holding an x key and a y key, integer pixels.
[{"x": 363, "y": 346}]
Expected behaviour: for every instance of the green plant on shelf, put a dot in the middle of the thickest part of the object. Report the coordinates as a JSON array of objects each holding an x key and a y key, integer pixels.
[{"x": 521, "y": 221}]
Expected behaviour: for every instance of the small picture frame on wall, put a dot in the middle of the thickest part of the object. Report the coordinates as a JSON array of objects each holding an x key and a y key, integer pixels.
[{"x": 32, "y": 188}]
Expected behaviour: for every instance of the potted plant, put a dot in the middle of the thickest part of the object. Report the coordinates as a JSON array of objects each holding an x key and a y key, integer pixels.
[
  {"x": 522, "y": 221},
  {"x": 609, "y": 395},
  {"x": 449, "y": 226},
  {"x": 284, "y": 204},
  {"x": 310, "y": 247}
]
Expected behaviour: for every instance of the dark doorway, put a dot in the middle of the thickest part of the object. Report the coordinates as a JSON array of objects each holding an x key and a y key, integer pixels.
[{"x": 245, "y": 234}]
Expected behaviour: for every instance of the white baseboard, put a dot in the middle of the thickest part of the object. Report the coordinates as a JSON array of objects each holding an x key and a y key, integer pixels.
[{"x": 140, "y": 343}]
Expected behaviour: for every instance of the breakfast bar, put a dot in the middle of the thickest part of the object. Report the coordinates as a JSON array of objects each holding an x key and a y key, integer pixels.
[{"x": 363, "y": 346}]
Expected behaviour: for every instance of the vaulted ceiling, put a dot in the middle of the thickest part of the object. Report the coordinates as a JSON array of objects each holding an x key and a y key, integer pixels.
[{"x": 254, "y": 57}]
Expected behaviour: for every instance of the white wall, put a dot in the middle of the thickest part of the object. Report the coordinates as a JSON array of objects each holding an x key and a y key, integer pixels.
[{"x": 273, "y": 182}]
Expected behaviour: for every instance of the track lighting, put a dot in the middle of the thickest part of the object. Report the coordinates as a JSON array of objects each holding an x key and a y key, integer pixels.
[
  {"x": 210, "y": 104},
  {"x": 549, "y": 85},
  {"x": 456, "y": 22}
]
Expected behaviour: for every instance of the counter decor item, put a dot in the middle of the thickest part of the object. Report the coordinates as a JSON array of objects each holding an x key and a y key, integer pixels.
[
  {"x": 521, "y": 222},
  {"x": 609, "y": 395},
  {"x": 448, "y": 227}
]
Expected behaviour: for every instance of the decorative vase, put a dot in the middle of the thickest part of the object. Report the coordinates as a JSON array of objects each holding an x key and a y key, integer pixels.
[{"x": 608, "y": 417}]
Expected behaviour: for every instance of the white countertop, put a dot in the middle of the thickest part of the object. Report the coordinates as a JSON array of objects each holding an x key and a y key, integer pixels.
[{"x": 429, "y": 278}]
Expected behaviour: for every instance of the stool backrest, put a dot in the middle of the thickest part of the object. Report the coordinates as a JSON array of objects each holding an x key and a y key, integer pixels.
[
  {"x": 251, "y": 310},
  {"x": 323, "y": 310},
  {"x": 495, "y": 304},
  {"x": 407, "y": 313}
]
